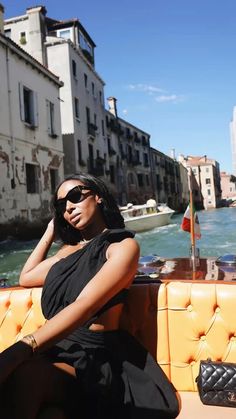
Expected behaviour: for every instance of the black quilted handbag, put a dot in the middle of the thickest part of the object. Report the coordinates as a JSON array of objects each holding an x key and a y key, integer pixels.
[{"x": 216, "y": 383}]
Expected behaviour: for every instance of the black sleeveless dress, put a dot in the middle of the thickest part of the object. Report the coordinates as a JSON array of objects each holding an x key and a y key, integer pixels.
[{"x": 117, "y": 377}]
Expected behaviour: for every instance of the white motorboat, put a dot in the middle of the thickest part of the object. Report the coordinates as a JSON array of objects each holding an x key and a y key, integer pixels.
[{"x": 145, "y": 217}]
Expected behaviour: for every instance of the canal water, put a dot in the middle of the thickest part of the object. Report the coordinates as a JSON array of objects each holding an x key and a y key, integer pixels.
[{"x": 218, "y": 229}]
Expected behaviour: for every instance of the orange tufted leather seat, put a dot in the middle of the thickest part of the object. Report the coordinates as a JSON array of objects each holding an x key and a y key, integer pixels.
[{"x": 179, "y": 322}]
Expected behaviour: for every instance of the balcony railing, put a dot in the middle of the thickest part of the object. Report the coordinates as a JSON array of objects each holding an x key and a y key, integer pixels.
[
  {"x": 92, "y": 128},
  {"x": 111, "y": 151}
]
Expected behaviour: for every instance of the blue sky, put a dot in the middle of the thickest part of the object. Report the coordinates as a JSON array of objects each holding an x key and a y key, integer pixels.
[{"x": 171, "y": 64}]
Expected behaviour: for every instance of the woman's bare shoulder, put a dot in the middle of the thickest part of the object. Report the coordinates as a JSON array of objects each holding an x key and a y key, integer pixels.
[{"x": 128, "y": 246}]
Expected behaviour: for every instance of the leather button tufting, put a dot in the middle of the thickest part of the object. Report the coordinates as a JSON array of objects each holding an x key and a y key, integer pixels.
[
  {"x": 217, "y": 310},
  {"x": 203, "y": 337},
  {"x": 190, "y": 307},
  {"x": 232, "y": 338}
]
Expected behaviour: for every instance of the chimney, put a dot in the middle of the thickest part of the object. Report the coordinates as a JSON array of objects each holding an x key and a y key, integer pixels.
[
  {"x": 1, "y": 18},
  {"x": 172, "y": 153},
  {"x": 37, "y": 33},
  {"x": 112, "y": 105}
]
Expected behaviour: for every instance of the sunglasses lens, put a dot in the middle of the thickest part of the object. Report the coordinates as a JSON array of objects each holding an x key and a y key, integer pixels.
[{"x": 74, "y": 196}]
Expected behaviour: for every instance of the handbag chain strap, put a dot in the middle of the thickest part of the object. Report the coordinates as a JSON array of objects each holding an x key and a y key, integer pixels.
[{"x": 232, "y": 396}]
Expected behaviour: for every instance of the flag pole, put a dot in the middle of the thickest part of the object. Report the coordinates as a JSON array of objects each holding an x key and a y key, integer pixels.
[
  {"x": 192, "y": 233},
  {"x": 193, "y": 252}
]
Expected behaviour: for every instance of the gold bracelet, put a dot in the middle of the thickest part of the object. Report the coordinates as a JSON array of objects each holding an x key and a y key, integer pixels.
[{"x": 31, "y": 342}]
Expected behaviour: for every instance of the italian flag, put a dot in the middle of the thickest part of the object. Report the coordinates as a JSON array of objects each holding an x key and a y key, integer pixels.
[{"x": 186, "y": 223}]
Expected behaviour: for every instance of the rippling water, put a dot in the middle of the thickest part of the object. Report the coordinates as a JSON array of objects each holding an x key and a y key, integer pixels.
[{"x": 218, "y": 228}]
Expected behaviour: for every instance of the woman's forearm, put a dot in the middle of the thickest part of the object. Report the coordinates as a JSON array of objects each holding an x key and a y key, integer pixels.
[{"x": 62, "y": 324}]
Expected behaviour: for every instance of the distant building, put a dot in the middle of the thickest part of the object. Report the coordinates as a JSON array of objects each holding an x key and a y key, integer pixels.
[
  {"x": 31, "y": 151},
  {"x": 228, "y": 186},
  {"x": 129, "y": 152},
  {"x": 169, "y": 180},
  {"x": 207, "y": 189},
  {"x": 233, "y": 140}
]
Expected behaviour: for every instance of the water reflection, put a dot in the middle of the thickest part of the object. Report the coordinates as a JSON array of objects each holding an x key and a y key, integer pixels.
[{"x": 180, "y": 269}]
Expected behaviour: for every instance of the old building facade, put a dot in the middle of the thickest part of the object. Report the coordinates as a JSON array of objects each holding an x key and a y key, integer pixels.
[
  {"x": 31, "y": 151},
  {"x": 207, "y": 190},
  {"x": 228, "y": 186},
  {"x": 67, "y": 50},
  {"x": 130, "y": 161},
  {"x": 169, "y": 180}
]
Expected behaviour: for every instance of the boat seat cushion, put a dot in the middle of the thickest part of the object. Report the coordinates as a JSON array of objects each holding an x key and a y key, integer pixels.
[{"x": 193, "y": 408}]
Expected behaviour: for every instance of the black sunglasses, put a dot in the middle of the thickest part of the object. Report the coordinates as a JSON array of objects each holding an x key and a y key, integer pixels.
[{"x": 74, "y": 195}]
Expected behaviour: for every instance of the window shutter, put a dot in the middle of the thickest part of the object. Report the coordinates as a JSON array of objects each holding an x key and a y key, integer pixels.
[
  {"x": 35, "y": 109},
  {"x": 48, "y": 116},
  {"x": 21, "y": 102}
]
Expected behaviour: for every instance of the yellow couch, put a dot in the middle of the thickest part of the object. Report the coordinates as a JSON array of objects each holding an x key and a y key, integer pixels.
[{"x": 179, "y": 322}]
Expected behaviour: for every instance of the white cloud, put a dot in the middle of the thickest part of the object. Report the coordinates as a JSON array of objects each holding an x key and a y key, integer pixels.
[
  {"x": 147, "y": 88},
  {"x": 160, "y": 95},
  {"x": 169, "y": 98},
  {"x": 125, "y": 111}
]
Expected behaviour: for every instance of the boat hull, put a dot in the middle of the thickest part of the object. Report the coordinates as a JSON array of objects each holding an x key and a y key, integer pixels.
[{"x": 148, "y": 222}]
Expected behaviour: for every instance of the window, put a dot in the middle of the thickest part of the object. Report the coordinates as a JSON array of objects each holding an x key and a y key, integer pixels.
[
  {"x": 28, "y": 105},
  {"x": 93, "y": 89},
  {"x": 207, "y": 169},
  {"x": 76, "y": 108},
  {"x": 208, "y": 181},
  {"x": 147, "y": 180},
  {"x": 100, "y": 96},
  {"x": 140, "y": 179},
  {"x": 32, "y": 185},
  {"x": 129, "y": 154},
  {"x": 7, "y": 33},
  {"x": 88, "y": 115},
  {"x": 84, "y": 44},
  {"x": 64, "y": 33},
  {"x": 91, "y": 158},
  {"x": 74, "y": 68},
  {"x": 112, "y": 174},
  {"x": 23, "y": 38},
  {"x": 85, "y": 80},
  {"x": 103, "y": 129},
  {"x": 208, "y": 191},
  {"x": 131, "y": 180},
  {"x": 79, "y": 148},
  {"x": 53, "y": 179},
  {"x": 145, "y": 159},
  {"x": 51, "y": 118}
]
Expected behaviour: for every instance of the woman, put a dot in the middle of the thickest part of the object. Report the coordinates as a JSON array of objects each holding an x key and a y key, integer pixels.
[{"x": 81, "y": 361}]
